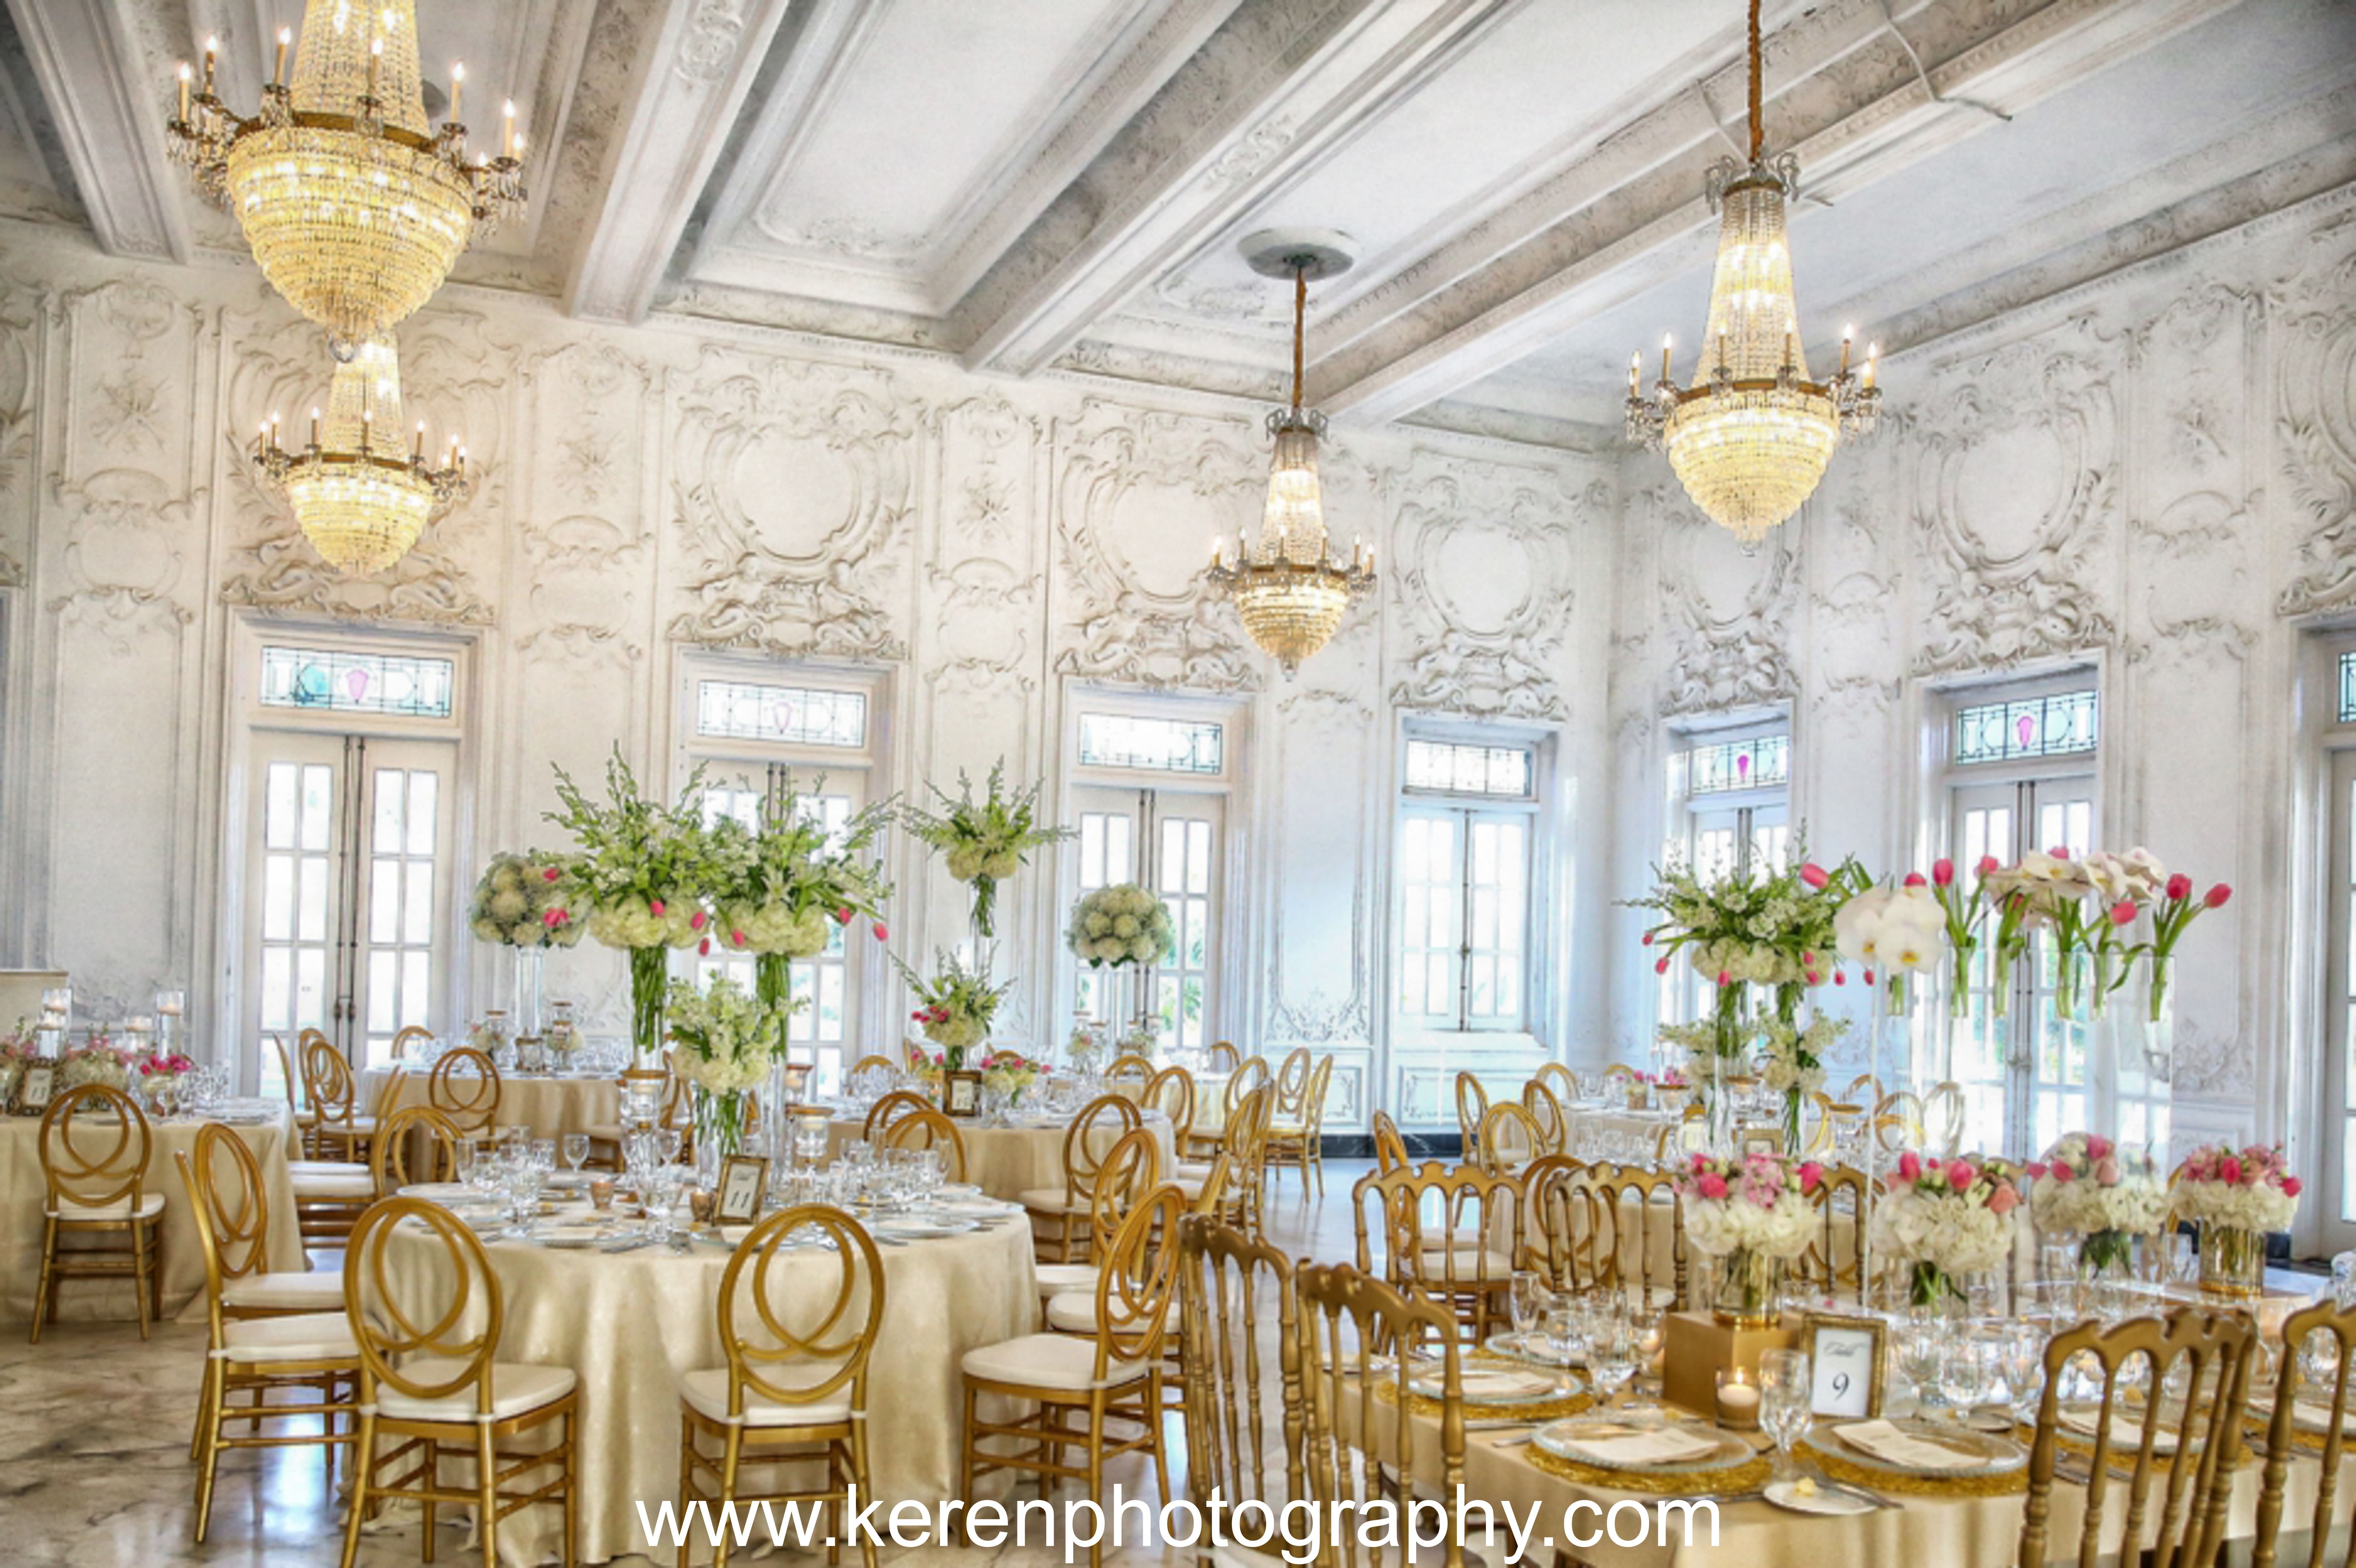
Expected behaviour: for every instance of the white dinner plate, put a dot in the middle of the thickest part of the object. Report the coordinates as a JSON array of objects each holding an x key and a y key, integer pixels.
[
  {"x": 1502, "y": 1386},
  {"x": 978, "y": 1207},
  {"x": 1787, "y": 1495},
  {"x": 922, "y": 1229}
]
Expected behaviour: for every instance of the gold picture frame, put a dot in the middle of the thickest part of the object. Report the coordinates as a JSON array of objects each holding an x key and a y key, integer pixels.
[
  {"x": 961, "y": 1093},
  {"x": 744, "y": 1190},
  {"x": 1843, "y": 1353},
  {"x": 37, "y": 1086},
  {"x": 1759, "y": 1140}
]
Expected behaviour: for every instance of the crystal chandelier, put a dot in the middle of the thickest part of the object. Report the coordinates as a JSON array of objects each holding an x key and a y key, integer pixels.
[
  {"x": 356, "y": 208},
  {"x": 1289, "y": 590},
  {"x": 358, "y": 498},
  {"x": 1750, "y": 440}
]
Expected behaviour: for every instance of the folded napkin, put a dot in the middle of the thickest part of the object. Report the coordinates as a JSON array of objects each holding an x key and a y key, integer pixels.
[
  {"x": 1664, "y": 1446},
  {"x": 1505, "y": 1384},
  {"x": 1887, "y": 1443},
  {"x": 2126, "y": 1430}
]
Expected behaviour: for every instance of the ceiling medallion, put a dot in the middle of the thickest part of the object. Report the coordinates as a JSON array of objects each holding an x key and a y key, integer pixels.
[
  {"x": 1751, "y": 440},
  {"x": 1289, "y": 590},
  {"x": 354, "y": 208},
  {"x": 360, "y": 499}
]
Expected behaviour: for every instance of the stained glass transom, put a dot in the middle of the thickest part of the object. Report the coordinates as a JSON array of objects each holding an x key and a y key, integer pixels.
[
  {"x": 1152, "y": 745},
  {"x": 1446, "y": 766},
  {"x": 2027, "y": 727},
  {"x": 338, "y": 681},
  {"x": 795, "y": 715},
  {"x": 1762, "y": 761}
]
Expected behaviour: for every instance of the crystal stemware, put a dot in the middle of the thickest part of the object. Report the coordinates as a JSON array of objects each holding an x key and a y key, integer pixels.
[
  {"x": 576, "y": 1150},
  {"x": 1784, "y": 1398}
]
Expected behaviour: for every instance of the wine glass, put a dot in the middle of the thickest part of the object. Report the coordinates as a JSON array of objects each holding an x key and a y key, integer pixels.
[
  {"x": 1564, "y": 1338},
  {"x": 576, "y": 1150},
  {"x": 1612, "y": 1358},
  {"x": 666, "y": 1142},
  {"x": 1965, "y": 1365},
  {"x": 1919, "y": 1359},
  {"x": 2021, "y": 1364},
  {"x": 1528, "y": 1300},
  {"x": 1784, "y": 1396}
]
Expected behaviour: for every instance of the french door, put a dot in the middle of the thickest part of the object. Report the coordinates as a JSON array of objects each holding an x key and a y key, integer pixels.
[
  {"x": 827, "y": 1027},
  {"x": 1172, "y": 843},
  {"x": 2339, "y": 1224},
  {"x": 2027, "y": 1084},
  {"x": 348, "y": 869},
  {"x": 1464, "y": 875}
]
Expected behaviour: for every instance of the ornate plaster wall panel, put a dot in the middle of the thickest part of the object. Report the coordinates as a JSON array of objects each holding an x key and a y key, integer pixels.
[
  {"x": 1327, "y": 748},
  {"x": 2317, "y": 434},
  {"x": 1731, "y": 612}
]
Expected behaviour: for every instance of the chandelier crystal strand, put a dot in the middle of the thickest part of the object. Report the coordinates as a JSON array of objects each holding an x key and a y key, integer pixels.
[
  {"x": 355, "y": 206},
  {"x": 1287, "y": 588},
  {"x": 1750, "y": 437},
  {"x": 361, "y": 498}
]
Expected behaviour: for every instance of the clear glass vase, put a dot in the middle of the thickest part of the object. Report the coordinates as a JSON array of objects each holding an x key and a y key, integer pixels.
[
  {"x": 2232, "y": 1263},
  {"x": 1730, "y": 1033},
  {"x": 649, "y": 972},
  {"x": 1748, "y": 1290},
  {"x": 722, "y": 1122},
  {"x": 530, "y": 963}
]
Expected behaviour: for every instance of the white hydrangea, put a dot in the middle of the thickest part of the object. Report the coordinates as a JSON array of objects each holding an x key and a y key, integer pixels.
[
  {"x": 1121, "y": 923},
  {"x": 1731, "y": 1224},
  {"x": 1955, "y": 1234}
]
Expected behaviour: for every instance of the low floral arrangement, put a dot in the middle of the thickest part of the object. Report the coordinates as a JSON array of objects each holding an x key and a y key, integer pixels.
[
  {"x": 2087, "y": 1184},
  {"x": 726, "y": 1040},
  {"x": 1009, "y": 1073},
  {"x": 171, "y": 1065},
  {"x": 1751, "y": 1203},
  {"x": 2247, "y": 1188},
  {"x": 1120, "y": 924},
  {"x": 985, "y": 840},
  {"x": 521, "y": 901},
  {"x": 1944, "y": 1219},
  {"x": 97, "y": 1060},
  {"x": 955, "y": 1005},
  {"x": 16, "y": 1051}
]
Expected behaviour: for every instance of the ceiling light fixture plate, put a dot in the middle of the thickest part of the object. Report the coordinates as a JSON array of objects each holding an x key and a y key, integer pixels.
[{"x": 1281, "y": 253}]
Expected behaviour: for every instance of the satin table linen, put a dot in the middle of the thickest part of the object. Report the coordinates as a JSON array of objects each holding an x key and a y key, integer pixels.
[
  {"x": 628, "y": 1323},
  {"x": 24, "y": 1196},
  {"x": 1006, "y": 1162},
  {"x": 551, "y": 1106}
]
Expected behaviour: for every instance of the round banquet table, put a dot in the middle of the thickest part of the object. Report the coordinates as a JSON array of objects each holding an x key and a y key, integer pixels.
[
  {"x": 24, "y": 1200},
  {"x": 550, "y": 1106},
  {"x": 630, "y": 1324},
  {"x": 1008, "y": 1161}
]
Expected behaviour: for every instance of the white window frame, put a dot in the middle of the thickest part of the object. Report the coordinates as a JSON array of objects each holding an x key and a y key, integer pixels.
[
  {"x": 1746, "y": 813},
  {"x": 1470, "y": 808},
  {"x": 2323, "y": 903}
]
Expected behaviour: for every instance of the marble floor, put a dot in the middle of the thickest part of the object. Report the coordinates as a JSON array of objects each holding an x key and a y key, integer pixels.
[{"x": 94, "y": 1470}]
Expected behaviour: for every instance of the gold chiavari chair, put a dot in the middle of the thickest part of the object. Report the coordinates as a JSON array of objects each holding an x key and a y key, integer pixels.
[
  {"x": 867, "y": 1063},
  {"x": 1228, "y": 1285},
  {"x": 1819, "y": 1124},
  {"x": 1129, "y": 1074},
  {"x": 1082, "y": 1384},
  {"x": 916, "y": 1060},
  {"x": 1249, "y": 1075},
  {"x": 226, "y": 1184},
  {"x": 1391, "y": 1148},
  {"x": 286, "y": 1352},
  {"x": 1546, "y": 1110},
  {"x": 1569, "y": 1226},
  {"x": 1562, "y": 1084},
  {"x": 1508, "y": 1138},
  {"x": 2210, "y": 1353},
  {"x": 928, "y": 1128},
  {"x": 1101, "y": 1124},
  {"x": 94, "y": 1147},
  {"x": 1207, "y": 1193},
  {"x": 1246, "y": 1150},
  {"x": 1292, "y": 1086},
  {"x": 342, "y": 1130},
  {"x": 1302, "y": 1141},
  {"x": 1450, "y": 1235},
  {"x": 1225, "y": 1058},
  {"x": 794, "y": 1393},
  {"x": 1125, "y": 1177},
  {"x": 1471, "y": 1104},
  {"x": 1647, "y": 1258},
  {"x": 430, "y": 1384},
  {"x": 1833, "y": 1263},
  {"x": 290, "y": 1083},
  {"x": 2315, "y": 1421},
  {"x": 409, "y": 1035},
  {"x": 1172, "y": 1093},
  {"x": 1865, "y": 1088},
  {"x": 899, "y": 1103},
  {"x": 415, "y": 1143},
  {"x": 1898, "y": 1121},
  {"x": 1943, "y": 1118},
  {"x": 465, "y": 1087},
  {"x": 1360, "y": 1451}
]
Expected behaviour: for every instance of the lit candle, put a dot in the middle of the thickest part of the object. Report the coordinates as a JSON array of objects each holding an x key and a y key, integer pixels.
[
  {"x": 212, "y": 50},
  {"x": 1738, "y": 1401},
  {"x": 314, "y": 427},
  {"x": 376, "y": 59},
  {"x": 418, "y": 451},
  {"x": 278, "y": 72},
  {"x": 1872, "y": 352},
  {"x": 1791, "y": 332},
  {"x": 1721, "y": 349},
  {"x": 1846, "y": 333},
  {"x": 518, "y": 154},
  {"x": 1635, "y": 371},
  {"x": 507, "y": 142},
  {"x": 457, "y": 93},
  {"x": 1665, "y": 356}
]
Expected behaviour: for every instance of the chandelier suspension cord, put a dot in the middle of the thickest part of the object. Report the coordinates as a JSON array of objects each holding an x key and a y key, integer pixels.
[
  {"x": 1300, "y": 318},
  {"x": 1758, "y": 129}
]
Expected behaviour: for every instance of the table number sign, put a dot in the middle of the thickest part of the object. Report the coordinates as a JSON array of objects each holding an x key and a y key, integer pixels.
[
  {"x": 34, "y": 1089},
  {"x": 961, "y": 1093},
  {"x": 1847, "y": 1355},
  {"x": 744, "y": 1183}
]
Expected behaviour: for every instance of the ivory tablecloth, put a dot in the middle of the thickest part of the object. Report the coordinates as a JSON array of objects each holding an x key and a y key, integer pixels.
[
  {"x": 630, "y": 1324},
  {"x": 1006, "y": 1162},
  {"x": 550, "y": 1106},
  {"x": 24, "y": 1196}
]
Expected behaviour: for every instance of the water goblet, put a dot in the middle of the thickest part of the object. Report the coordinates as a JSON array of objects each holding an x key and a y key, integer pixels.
[
  {"x": 1611, "y": 1358},
  {"x": 1528, "y": 1301},
  {"x": 1784, "y": 1398},
  {"x": 1965, "y": 1365},
  {"x": 1919, "y": 1359},
  {"x": 667, "y": 1144},
  {"x": 576, "y": 1150},
  {"x": 2021, "y": 1364}
]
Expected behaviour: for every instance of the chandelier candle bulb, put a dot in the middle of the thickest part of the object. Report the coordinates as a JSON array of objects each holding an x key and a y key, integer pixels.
[
  {"x": 1847, "y": 334},
  {"x": 278, "y": 70},
  {"x": 212, "y": 51},
  {"x": 508, "y": 141},
  {"x": 376, "y": 60},
  {"x": 457, "y": 93},
  {"x": 184, "y": 90},
  {"x": 315, "y": 430},
  {"x": 1665, "y": 345},
  {"x": 1872, "y": 352}
]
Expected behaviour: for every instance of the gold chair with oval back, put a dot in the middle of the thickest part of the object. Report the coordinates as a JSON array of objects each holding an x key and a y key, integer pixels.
[{"x": 94, "y": 1147}]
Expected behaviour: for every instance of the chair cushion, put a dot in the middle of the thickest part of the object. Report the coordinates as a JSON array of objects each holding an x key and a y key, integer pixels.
[
  {"x": 321, "y": 1290},
  {"x": 358, "y": 1189},
  {"x": 1074, "y": 1312},
  {"x": 1194, "y": 1170},
  {"x": 706, "y": 1394},
  {"x": 604, "y": 1131},
  {"x": 299, "y": 1337},
  {"x": 1051, "y": 1201},
  {"x": 1468, "y": 1264},
  {"x": 1190, "y": 1188},
  {"x": 326, "y": 1168},
  {"x": 150, "y": 1205},
  {"x": 516, "y": 1388},
  {"x": 1048, "y": 1360}
]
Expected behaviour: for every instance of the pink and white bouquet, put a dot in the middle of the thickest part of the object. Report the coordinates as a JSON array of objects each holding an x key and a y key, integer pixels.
[
  {"x": 97, "y": 1060},
  {"x": 1944, "y": 1217},
  {"x": 171, "y": 1065},
  {"x": 1751, "y": 1203},
  {"x": 2090, "y": 1185},
  {"x": 2249, "y": 1189}
]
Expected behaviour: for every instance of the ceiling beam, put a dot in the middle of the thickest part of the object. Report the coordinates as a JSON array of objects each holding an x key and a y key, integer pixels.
[
  {"x": 109, "y": 113},
  {"x": 1277, "y": 86},
  {"x": 1598, "y": 233},
  {"x": 692, "y": 82}
]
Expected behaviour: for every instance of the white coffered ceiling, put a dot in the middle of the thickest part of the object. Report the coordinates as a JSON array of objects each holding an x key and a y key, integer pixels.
[{"x": 1036, "y": 184}]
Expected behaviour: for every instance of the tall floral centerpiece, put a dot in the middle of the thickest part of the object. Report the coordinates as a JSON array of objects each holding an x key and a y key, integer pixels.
[
  {"x": 726, "y": 1038},
  {"x": 954, "y": 1004},
  {"x": 1752, "y": 1214},
  {"x": 2172, "y": 915},
  {"x": 986, "y": 840},
  {"x": 1943, "y": 1221},
  {"x": 643, "y": 867},
  {"x": 2237, "y": 1197},
  {"x": 1772, "y": 929},
  {"x": 521, "y": 903},
  {"x": 1124, "y": 928},
  {"x": 783, "y": 885},
  {"x": 2089, "y": 1187}
]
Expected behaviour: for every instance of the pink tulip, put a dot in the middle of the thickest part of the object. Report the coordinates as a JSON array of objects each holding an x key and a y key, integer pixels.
[
  {"x": 881, "y": 933},
  {"x": 738, "y": 937},
  {"x": 1812, "y": 978},
  {"x": 1914, "y": 879},
  {"x": 551, "y": 874},
  {"x": 2034, "y": 1168},
  {"x": 1662, "y": 967},
  {"x": 1989, "y": 865},
  {"x": 696, "y": 920},
  {"x": 2290, "y": 1186},
  {"x": 1909, "y": 1166},
  {"x": 2064, "y": 1174},
  {"x": 554, "y": 918},
  {"x": 1710, "y": 1185},
  {"x": 2106, "y": 1173},
  {"x": 1960, "y": 1175},
  {"x": 2003, "y": 1201},
  {"x": 1868, "y": 976},
  {"x": 655, "y": 908},
  {"x": 1840, "y": 978},
  {"x": 2098, "y": 1147},
  {"x": 2123, "y": 912},
  {"x": 1815, "y": 876},
  {"x": 1811, "y": 1173},
  {"x": 2215, "y": 898},
  {"x": 921, "y": 1015},
  {"x": 2059, "y": 851},
  {"x": 1809, "y": 959},
  {"x": 703, "y": 946},
  {"x": 2231, "y": 1171},
  {"x": 1942, "y": 872},
  {"x": 842, "y": 917},
  {"x": 2180, "y": 885},
  {"x": 1724, "y": 978},
  {"x": 1646, "y": 940}
]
